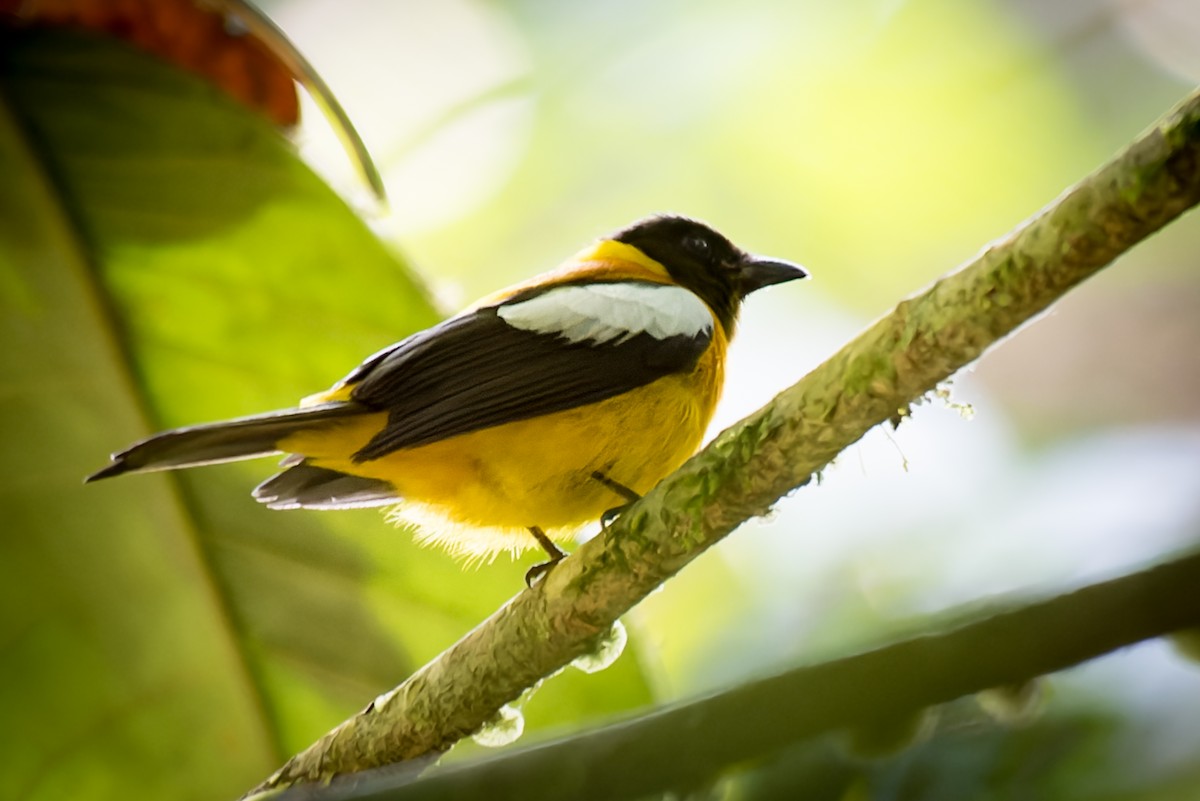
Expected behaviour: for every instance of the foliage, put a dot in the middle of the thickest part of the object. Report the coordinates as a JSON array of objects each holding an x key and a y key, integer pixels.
[{"x": 167, "y": 260}]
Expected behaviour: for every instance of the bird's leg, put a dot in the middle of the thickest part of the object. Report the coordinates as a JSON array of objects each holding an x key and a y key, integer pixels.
[
  {"x": 616, "y": 486},
  {"x": 625, "y": 492},
  {"x": 542, "y": 568}
]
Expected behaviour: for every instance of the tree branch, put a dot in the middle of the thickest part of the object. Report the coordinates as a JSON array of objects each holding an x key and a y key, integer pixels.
[
  {"x": 747, "y": 468},
  {"x": 675, "y": 746}
]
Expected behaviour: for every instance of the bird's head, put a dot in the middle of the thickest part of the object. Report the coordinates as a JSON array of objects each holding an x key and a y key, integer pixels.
[{"x": 702, "y": 260}]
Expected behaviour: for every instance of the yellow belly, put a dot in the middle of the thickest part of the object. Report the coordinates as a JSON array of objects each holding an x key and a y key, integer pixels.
[{"x": 478, "y": 493}]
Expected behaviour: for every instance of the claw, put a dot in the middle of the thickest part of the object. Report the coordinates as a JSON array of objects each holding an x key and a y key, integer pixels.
[
  {"x": 612, "y": 514},
  {"x": 538, "y": 571}
]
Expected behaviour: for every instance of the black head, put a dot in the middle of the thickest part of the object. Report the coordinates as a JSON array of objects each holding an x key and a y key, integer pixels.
[{"x": 704, "y": 261}]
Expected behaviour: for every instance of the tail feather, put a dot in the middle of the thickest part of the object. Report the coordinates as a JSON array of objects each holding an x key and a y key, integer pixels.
[
  {"x": 228, "y": 441},
  {"x": 304, "y": 486}
]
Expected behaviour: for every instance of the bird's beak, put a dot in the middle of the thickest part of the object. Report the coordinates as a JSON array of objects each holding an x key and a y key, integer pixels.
[{"x": 758, "y": 272}]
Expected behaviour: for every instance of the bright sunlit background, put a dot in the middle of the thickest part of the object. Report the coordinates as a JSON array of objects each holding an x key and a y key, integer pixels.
[{"x": 881, "y": 144}]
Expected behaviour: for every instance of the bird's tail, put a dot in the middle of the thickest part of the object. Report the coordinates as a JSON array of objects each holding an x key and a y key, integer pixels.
[{"x": 228, "y": 441}]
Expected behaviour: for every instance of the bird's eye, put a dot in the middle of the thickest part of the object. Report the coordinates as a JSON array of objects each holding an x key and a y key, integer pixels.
[{"x": 698, "y": 245}]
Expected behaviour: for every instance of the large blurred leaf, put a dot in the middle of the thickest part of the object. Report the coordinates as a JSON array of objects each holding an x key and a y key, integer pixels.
[{"x": 165, "y": 260}]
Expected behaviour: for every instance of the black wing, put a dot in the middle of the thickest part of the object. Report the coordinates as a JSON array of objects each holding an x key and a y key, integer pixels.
[{"x": 475, "y": 371}]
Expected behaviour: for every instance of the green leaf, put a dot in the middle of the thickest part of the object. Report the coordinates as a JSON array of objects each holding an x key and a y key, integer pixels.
[{"x": 165, "y": 259}]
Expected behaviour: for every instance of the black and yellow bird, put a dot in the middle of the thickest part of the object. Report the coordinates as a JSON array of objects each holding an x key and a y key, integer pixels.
[{"x": 534, "y": 411}]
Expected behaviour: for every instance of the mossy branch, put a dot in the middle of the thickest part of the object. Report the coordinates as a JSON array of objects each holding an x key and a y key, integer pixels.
[
  {"x": 923, "y": 341},
  {"x": 882, "y": 689}
]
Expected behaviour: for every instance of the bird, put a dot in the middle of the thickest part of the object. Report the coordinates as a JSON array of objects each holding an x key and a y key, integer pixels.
[{"x": 538, "y": 409}]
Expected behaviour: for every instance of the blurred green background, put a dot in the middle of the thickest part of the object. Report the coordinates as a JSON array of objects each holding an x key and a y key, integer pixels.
[{"x": 169, "y": 638}]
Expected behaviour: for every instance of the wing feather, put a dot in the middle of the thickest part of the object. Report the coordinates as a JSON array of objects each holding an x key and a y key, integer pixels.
[{"x": 480, "y": 369}]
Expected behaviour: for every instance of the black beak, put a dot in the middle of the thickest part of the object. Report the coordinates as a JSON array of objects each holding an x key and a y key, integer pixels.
[{"x": 758, "y": 272}]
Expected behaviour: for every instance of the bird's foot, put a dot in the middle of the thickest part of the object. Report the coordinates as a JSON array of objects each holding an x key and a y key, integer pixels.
[
  {"x": 609, "y": 515},
  {"x": 617, "y": 487},
  {"x": 556, "y": 554}
]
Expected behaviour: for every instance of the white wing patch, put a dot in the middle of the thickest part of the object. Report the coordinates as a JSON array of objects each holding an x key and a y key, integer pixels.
[{"x": 616, "y": 312}]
